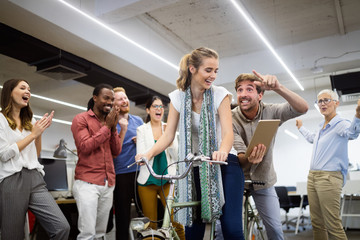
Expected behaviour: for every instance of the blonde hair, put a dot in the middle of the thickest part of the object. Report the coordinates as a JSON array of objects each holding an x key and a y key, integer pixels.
[
  {"x": 194, "y": 58},
  {"x": 119, "y": 89}
]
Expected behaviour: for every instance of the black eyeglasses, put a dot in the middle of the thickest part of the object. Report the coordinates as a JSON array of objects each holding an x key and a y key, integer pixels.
[
  {"x": 325, "y": 101},
  {"x": 158, "y": 106}
]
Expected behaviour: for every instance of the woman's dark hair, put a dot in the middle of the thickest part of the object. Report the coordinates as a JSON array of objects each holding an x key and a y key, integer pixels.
[
  {"x": 148, "y": 105},
  {"x": 96, "y": 92},
  {"x": 6, "y": 106}
]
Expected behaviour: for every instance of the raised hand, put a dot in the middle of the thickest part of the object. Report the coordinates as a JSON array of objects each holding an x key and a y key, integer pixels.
[
  {"x": 112, "y": 118},
  {"x": 40, "y": 125},
  {"x": 123, "y": 122},
  {"x": 298, "y": 123},
  {"x": 269, "y": 82}
]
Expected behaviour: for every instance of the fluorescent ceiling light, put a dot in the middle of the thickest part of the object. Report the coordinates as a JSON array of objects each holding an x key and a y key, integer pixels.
[
  {"x": 252, "y": 23},
  {"x": 57, "y": 101},
  {"x": 60, "y": 102},
  {"x": 317, "y": 107},
  {"x": 291, "y": 134},
  {"x": 120, "y": 35},
  {"x": 54, "y": 120}
]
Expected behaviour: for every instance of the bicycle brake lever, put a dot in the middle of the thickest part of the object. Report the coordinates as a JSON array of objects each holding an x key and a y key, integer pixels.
[{"x": 138, "y": 161}]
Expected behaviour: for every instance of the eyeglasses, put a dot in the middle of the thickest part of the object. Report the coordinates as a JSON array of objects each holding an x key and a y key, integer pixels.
[
  {"x": 325, "y": 101},
  {"x": 158, "y": 106}
]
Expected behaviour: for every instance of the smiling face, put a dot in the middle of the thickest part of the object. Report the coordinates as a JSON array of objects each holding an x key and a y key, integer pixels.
[
  {"x": 205, "y": 75},
  {"x": 20, "y": 95},
  {"x": 104, "y": 101},
  {"x": 247, "y": 97},
  {"x": 122, "y": 101},
  {"x": 327, "y": 109},
  {"x": 156, "y": 111}
]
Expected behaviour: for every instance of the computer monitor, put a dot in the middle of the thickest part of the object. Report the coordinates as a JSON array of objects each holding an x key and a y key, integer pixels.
[{"x": 55, "y": 176}]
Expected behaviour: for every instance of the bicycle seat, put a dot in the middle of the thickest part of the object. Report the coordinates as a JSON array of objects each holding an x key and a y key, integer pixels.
[{"x": 140, "y": 223}]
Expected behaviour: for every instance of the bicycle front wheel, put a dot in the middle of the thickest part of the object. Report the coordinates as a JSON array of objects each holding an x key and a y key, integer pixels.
[
  {"x": 256, "y": 230},
  {"x": 148, "y": 235},
  {"x": 152, "y": 238}
]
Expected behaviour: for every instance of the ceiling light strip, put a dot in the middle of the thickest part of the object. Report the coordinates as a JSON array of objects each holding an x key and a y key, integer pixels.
[
  {"x": 291, "y": 134},
  {"x": 59, "y": 102},
  {"x": 252, "y": 23},
  {"x": 120, "y": 35},
  {"x": 54, "y": 120}
]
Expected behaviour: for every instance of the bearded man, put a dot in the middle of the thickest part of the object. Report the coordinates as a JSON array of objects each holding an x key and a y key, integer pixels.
[{"x": 125, "y": 177}]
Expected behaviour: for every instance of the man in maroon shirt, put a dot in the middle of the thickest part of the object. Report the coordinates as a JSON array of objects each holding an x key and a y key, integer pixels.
[{"x": 97, "y": 141}]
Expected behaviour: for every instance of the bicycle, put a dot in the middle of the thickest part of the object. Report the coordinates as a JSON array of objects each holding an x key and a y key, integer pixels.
[
  {"x": 140, "y": 225},
  {"x": 253, "y": 226}
]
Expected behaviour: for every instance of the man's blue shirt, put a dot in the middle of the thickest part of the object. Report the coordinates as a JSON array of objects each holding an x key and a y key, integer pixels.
[{"x": 128, "y": 152}]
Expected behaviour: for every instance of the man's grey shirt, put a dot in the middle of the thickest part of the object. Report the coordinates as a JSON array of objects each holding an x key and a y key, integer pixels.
[{"x": 244, "y": 129}]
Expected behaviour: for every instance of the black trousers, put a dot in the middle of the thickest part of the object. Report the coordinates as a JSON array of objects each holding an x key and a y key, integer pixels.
[{"x": 124, "y": 194}]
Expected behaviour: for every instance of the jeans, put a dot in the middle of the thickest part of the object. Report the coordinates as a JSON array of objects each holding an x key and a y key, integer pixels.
[
  {"x": 267, "y": 203},
  {"x": 231, "y": 220}
]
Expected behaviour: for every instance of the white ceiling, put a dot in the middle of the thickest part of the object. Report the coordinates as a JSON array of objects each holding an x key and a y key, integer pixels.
[{"x": 304, "y": 32}]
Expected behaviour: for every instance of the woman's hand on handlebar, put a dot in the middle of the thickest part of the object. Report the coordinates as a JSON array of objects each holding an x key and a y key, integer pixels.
[
  {"x": 138, "y": 158},
  {"x": 219, "y": 156}
]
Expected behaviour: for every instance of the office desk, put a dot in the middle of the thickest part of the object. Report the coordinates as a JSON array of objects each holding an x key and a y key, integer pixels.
[
  {"x": 351, "y": 188},
  {"x": 69, "y": 209},
  {"x": 301, "y": 189},
  {"x": 65, "y": 200}
]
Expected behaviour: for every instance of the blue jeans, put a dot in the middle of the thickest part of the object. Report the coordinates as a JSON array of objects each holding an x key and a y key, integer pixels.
[
  {"x": 267, "y": 204},
  {"x": 231, "y": 220}
]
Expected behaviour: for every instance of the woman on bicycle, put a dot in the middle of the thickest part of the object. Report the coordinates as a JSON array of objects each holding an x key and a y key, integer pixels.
[
  {"x": 202, "y": 111},
  {"x": 148, "y": 186}
]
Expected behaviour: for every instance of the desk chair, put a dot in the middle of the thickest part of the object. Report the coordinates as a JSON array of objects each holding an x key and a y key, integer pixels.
[{"x": 285, "y": 202}]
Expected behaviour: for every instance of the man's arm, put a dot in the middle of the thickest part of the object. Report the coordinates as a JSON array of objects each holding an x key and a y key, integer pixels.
[{"x": 270, "y": 82}]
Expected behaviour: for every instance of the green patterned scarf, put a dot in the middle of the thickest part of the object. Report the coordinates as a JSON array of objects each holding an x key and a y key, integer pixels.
[{"x": 212, "y": 197}]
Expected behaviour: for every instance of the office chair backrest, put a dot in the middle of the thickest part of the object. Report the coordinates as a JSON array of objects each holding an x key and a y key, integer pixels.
[{"x": 284, "y": 199}]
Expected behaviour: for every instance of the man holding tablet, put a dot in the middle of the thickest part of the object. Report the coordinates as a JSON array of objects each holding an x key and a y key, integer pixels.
[{"x": 259, "y": 164}]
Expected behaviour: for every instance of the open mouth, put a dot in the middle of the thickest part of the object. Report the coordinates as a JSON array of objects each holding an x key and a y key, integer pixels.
[
  {"x": 107, "y": 108},
  {"x": 208, "y": 81},
  {"x": 244, "y": 101},
  {"x": 25, "y": 98}
]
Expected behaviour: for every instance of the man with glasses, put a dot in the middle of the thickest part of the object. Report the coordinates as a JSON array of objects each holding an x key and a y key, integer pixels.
[
  {"x": 259, "y": 166},
  {"x": 329, "y": 165},
  {"x": 125, "y": 186}
]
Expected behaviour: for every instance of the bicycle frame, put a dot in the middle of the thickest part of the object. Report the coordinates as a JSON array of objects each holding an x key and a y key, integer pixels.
[
  {"x": 250, "y": 216},
  {"x": 167, "y": 231}
]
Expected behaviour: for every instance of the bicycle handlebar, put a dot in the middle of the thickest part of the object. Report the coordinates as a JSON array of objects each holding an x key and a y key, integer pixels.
[{"x": 191, "y": 158}]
